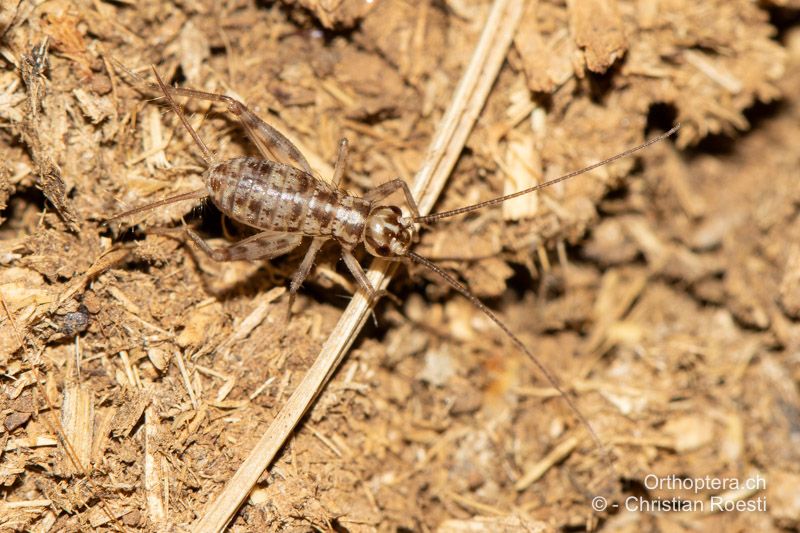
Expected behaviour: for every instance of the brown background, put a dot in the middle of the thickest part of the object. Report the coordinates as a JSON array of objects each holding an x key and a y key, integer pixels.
[{"x": 664, "y": 289}]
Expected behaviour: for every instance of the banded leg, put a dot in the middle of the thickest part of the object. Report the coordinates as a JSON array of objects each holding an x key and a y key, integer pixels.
[
  {"x": 302, "y": 272},
  {"x": 208, "y": 157},
  {"x": 382, "y": 191},
  {"x": 270, "y": 142},
  {"x": 265, "y": 245}
]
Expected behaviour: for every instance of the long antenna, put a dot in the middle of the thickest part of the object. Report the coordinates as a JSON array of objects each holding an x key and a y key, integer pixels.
[
  {"x": 501, "y": 199},
  {"x": 514, "y": 339}
]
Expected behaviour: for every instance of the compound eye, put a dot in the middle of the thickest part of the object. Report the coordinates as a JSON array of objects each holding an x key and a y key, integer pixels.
[{"x": 376, "y": 241}]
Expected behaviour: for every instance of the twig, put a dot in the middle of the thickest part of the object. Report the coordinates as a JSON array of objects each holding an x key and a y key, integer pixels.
[
  {"x": 153, "y": 473},
  {"x": 51, "y": 421},
  {"x": 556, "y": 455},
  {"x": 467, "y": 103},
  {"x": 187, "y": 380}
]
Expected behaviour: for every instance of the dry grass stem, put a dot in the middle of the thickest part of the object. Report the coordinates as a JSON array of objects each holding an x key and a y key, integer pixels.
[
  {"x": 663, "y": 290},
  {"x": 448, "y": 142}
]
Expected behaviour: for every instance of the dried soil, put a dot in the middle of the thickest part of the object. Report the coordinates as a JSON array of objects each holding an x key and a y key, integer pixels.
[{"x": 663, "y": 289}]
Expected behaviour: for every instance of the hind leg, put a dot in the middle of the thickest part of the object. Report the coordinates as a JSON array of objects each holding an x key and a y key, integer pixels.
[
  {"x": 265, "y": 245},
  {"x": 270, "y": 142},
  {"x": 341, "y": 163}
]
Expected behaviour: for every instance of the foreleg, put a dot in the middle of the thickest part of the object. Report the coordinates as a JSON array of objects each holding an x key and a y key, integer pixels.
[
  {"x": 382, "y": 191},
  {"x": 361, "y": 277}
]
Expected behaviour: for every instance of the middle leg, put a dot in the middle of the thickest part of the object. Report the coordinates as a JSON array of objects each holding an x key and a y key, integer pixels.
[{"x": 302, "y": 271}]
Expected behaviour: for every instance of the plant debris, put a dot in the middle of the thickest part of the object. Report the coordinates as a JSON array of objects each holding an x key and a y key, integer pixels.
[{"x": 662, "y": 289}]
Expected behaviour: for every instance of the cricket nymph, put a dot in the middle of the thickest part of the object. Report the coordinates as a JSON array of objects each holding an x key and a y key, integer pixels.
[
  {"x": 276, "y": 197},
  {"x": 273, "y": 196},
  {"x": 286, "y": 202}
]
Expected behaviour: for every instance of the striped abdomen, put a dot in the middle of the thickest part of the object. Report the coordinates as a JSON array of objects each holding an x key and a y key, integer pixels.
[{"x": 277, "y": 197}]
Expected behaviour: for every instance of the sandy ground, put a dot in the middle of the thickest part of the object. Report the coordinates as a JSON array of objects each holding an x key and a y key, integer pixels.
[{"x": 663, "y": 290}]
